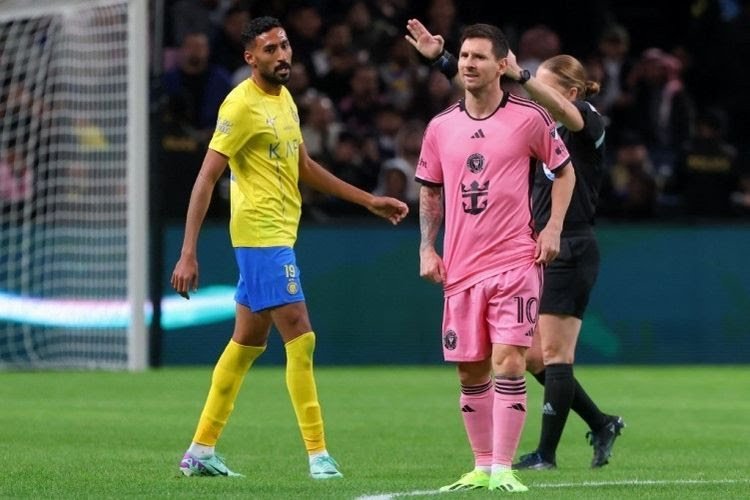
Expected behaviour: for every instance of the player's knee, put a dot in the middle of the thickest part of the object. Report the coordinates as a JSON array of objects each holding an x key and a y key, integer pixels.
[
  {"x": 534, "y": 362},
  {"x": 555, "y": 353},
  {"x": 292, "y": 322},
  {"x": 509, "y": 363},
  {"x": 474, "y": 373}
]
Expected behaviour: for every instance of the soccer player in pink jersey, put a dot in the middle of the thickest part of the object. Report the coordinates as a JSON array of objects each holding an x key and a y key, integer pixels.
[
  {"x": 476, "y": 168},
  {"x": 561, "y": 86}
]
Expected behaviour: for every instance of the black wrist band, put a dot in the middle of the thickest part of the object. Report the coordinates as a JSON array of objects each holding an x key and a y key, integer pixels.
[{"x": 447, "y": 64}]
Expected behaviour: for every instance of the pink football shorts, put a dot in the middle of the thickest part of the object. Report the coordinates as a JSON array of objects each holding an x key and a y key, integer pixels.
[{"x": 501, "y": 309}]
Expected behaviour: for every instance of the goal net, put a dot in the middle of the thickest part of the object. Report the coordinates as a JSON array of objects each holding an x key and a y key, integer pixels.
[{"x": 73, "y": 189}]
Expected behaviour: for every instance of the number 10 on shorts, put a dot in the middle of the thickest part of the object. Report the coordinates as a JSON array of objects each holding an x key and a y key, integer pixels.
[{"x": 526, "y": 310}]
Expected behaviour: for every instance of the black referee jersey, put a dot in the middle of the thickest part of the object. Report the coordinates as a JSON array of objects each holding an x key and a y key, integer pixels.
[{"x": 586, "y": 148}]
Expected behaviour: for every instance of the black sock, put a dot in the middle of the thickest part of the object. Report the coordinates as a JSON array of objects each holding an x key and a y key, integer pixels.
[
  {"x": 540, "y": 376},
  {"x": 559, "y": 388},
  {"x": 582, "y": 405},
  {"x": 587, "y": 410}
]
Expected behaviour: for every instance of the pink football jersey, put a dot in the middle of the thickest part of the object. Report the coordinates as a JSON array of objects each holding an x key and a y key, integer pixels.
[{"x": 486, "y": 169}]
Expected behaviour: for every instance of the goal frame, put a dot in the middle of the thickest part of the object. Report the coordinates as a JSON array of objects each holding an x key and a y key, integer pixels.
[{"x": 137, "y": 155}]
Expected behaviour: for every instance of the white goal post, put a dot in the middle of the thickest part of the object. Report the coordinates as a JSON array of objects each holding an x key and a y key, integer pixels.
[{"x": 74, "y": 184}]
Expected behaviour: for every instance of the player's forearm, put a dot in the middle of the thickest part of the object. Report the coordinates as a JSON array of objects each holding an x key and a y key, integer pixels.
[
  {"x": 430, "y": 216},
  {"x": 561, "y": 109},
  {"x": 200, "y": 199},
  {"x": 324, "y": 181},
  {"x": 562, "y": 192}
]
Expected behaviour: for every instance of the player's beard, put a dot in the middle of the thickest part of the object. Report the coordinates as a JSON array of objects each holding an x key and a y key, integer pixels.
[{"x": 276, "y": 77}]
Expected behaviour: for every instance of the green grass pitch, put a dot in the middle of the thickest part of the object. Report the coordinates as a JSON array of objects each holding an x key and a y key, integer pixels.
[{"x": 396, "y": 432}]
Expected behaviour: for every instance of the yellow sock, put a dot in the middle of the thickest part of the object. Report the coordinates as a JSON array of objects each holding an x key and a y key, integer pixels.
[
  {"x": 226, "y": 381},
  {"x": 301, "y": 385}
]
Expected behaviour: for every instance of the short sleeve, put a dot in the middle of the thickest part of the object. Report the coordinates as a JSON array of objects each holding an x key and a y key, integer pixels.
[
  {"x": 231, "y": 128},
  {"x": 593, "y": 123},
  {"x": 546, "y": 143},
  {"x": 429, "y": 171}
]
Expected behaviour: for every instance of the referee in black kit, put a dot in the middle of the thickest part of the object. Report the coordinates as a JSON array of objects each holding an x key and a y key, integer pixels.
[{"x": 561, "y": 87}]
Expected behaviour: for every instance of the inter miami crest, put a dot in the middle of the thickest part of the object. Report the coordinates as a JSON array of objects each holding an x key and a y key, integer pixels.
[
  {"x": 450, "y": 339},
  {"x": 475, "y": 163}
]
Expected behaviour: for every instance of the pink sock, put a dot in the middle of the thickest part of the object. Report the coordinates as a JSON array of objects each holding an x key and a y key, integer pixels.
[
  {"x": 509, "y": 416},
  {"x": 476, "y": 409}
]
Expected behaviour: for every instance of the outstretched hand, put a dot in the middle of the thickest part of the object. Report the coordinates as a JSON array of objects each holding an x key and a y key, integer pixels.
[
  {"x": 388, "y": 208},
  {"x": 429, "y": 45}
]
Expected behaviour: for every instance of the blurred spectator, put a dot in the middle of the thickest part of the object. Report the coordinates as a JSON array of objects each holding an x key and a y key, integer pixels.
[
  {"x": 441, "y": 18},
  {"x": 194, "y": 90},
  {"x": 438, "y": 95},
  {"x": 662, "y": 110},
  {"x": 180, "y": 155},
  {"x": 227, "y": 49},
  {"x": 396, "y": 177},
  {"x": 369, "y": 35},
  {"x": 334, "y": 63},
  {"x": 352, "y": 165},
  {"x": 401, "y": 74},
  {"x": 392, "y": 13},
  {"x": 196, "y": 16},
  {"x": 320, "y": 128},
  {"x": 299, "y": 84},
  {"x": 196, "y": 86},
  {"x": 388, "y": 122},
  {"x": 320, "y": 131},
  {"x": 362, "y": 101},
  {"x": 706, "y": 173},
  {"x": 616, "y": 64},
  {"x": 630, "y": 190},
  {"x": 337, "y": 40},
  {"x": 537, "y": 44},
  {"x": 303, "y": 25}
]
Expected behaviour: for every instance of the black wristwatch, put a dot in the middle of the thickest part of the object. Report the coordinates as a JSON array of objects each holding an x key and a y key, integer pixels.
[{"x": 523, "y": 76}]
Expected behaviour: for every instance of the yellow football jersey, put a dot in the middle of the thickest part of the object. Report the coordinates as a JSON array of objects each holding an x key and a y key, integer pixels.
[{"x": 260, "y": 135}]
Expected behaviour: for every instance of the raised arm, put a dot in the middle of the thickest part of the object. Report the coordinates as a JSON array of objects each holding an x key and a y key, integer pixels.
[
  {"x": 561, "y": 109},
  {"x": 432, "y": 47},
  {"x": 320, "y": 179}
]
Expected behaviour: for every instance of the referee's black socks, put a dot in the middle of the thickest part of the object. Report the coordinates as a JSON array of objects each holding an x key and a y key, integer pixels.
[
  {"x": 559, "y": 389},
  {"x": 581, "y": 404}
]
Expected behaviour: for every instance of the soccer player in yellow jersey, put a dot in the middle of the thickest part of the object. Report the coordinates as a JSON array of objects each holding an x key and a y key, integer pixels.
[{"x": 258, "y": 136}]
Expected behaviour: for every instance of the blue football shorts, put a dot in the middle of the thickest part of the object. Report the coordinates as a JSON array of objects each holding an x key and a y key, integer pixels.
[{"x": 269, "y": 277}]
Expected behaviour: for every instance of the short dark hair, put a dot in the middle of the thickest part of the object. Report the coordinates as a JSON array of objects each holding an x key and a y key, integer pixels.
[
  {"x": 492, "y": 33},
  {"x": 257, "y": 27}
]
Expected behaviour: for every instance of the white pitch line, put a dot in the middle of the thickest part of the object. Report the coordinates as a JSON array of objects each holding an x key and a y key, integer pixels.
[{"x": 584, "y": 484}]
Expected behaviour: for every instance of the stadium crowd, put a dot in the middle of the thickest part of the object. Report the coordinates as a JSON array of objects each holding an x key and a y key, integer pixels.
[{"x": 671, "y": 96}]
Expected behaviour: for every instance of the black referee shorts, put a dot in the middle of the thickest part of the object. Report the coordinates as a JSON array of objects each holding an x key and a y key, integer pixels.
[{"x": 568, "y": 280}]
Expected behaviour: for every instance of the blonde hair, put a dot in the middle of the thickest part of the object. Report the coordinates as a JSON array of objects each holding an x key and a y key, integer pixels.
[{"x": 570, "y": 73}]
